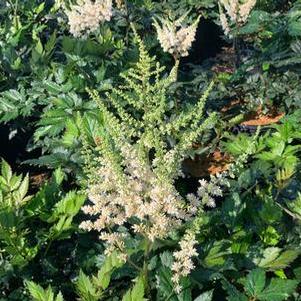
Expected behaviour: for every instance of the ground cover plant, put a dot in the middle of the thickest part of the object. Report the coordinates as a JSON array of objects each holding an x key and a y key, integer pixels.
[{"x": 151, "y": 150}]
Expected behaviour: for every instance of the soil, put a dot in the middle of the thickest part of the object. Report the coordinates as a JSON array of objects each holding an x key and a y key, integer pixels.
[
  {"x": 231, "y": 105},
  {"x": 263, "y": 119},
  {"x": 256, "y": 118},
  {"x": 37, "y": 180},
  {"x": 202, "y": 166}
]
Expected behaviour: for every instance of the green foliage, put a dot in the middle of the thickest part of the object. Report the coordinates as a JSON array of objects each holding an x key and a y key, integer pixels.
[
  {"x": 282, "y": 147},
  {"x": 87, "y": 289},
  {"x": 43, "y": 75},
  {"x": 136, "y": 293},
  {"x": 39, "y": 294},
  {"x": 51, "y": 115},
  {"x": 166, "y": 287},
  {"x": 93, "y": 288},
  {"x": 63, "y": 213},
  {"x": 13, "y": 188},
  {"x": 273, "y": 259},
  {"x": 207, "y": 296},
  {"x": 29, "y": 225},
  {"x": 256, "y": 288},
  {"x": 13, "y": 191},
  {"x": 295, "y": 207},
  {"x": 279, "y": 148}
]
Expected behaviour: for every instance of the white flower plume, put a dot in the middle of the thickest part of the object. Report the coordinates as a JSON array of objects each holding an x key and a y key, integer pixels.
[
  {"x": 174, "y": 37},
  {"x": 86, "y": 16}
]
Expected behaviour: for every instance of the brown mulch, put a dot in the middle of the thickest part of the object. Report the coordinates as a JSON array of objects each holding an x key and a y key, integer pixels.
[
  {"x": 257, "y": 118},
  {"x": 263, "y": 120},
  {"x": 37, "y": 180},
  {"x": 231, "y": 105},
  {"x": 202, "y": 166}
]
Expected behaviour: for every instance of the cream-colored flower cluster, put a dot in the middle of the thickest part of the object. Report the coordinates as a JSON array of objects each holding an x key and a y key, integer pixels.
[
  {"x": 183, "y": 264},
  {"x": 234, "y": 11},
  {"x": 183, "y": 259},
  {"x": 86, "y": 16},
  {"x": 120, "y": 4},
  {"x": 174, "y": 37},
  {"x": 138, "y": 196}
]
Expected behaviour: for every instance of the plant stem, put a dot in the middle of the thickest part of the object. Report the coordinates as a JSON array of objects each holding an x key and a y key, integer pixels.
[
  {"x": 237, "y": 52},
  {"x": 48, "y": 247},
  {"x": 148, "y": 248}
]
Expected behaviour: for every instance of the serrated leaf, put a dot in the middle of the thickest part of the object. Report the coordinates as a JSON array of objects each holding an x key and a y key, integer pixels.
[
  {"x": 39, "y": 8},
  {"x": 85, "y": 288},
  {"x": 13, "y": 95},
  {"x": 137, "y": 292},
  {"x": 268, "y": 255},
  {"x": 69, "y": 206},
  {"x": 273, "y": 259},
  {"x": 111, "y": 263},
  {"x": 52, "y": 87},
  {"x": 166, "y": 259},
  {"x": 39, "y": 294},
  {"x": 6, "y": 171},
  {"x": 35, "y": 290},
  {"x": 23, "y": 189},
  {"x": 71, "y": 133},
  {"x": 278, "y": 290},
  {"x": 217, "y": 253},
  {"x": 59, "y": 297},
  {"x": 233, "y": 293},
  {"x": 166, "y": 286},
  {"x": 255, "y": 282},
  {"x": 15, "y": 182},
  {"x": 50, "y": 43},
  {"x": 232, "y": 208}
]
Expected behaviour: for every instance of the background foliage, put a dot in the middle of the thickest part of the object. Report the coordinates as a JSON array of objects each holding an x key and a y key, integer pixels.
[{"x": 248, "y": 245}]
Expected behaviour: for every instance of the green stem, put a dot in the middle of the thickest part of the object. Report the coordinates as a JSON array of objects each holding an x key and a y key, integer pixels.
[
  {"x": 176, "y": 68},
  {"x": 16, "y": 7},
  {"x": 148, "y": 248},
  {"x": 48, "y": 247},
  {"x": 174, "y": 74}
]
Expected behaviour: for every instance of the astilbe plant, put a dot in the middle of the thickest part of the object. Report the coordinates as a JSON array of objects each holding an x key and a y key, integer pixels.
[
  {"x": 233, "y": 15},
  {"x": 175, "y": 37},
  {"x": 234, "y": 12},
  {"x": 133, "y": 184},
  {"x": 86, "y": 16}
]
